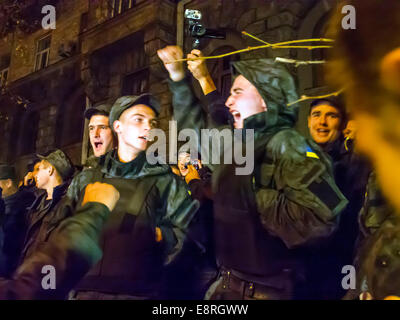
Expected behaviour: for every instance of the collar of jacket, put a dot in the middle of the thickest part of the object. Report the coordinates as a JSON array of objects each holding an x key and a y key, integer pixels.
[
  {"x": 14, "y": 197},
  {"x": 336, "y": 148},
  {"x": 139, "y": 167},
  {"x": 58, "y": 193},
  {"x": 265, "y": 123}
]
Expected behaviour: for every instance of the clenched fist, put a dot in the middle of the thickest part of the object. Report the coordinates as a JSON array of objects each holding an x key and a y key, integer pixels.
[
  {"x": 197, "y": 67},
  {"x": 101, "y": 192},
  {"x": 175, "y": 69}
]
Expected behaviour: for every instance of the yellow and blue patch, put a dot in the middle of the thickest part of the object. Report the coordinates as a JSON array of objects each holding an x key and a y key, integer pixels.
[{"x": 310, "y": 153}]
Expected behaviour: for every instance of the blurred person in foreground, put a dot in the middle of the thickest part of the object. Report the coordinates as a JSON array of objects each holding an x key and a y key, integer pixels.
[
  {"x": 72, "y": 249},
  {"x": 366, "y": 61}
]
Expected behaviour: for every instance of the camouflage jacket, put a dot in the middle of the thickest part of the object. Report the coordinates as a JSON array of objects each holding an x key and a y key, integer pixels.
[
  {"x": 377, "y": 260},
  {"x": 150, "y": 196},
  {"x": 294, "y": 190}
]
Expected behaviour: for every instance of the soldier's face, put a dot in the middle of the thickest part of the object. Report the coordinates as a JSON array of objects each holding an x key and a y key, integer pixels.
[
  {"x": 100, "y": 134},
  {"x": 133, "y": 127},
  {"x": 244, "y": 101},
  {"x": 42, "y": 175},
  {"x": 324, "y": 124}
]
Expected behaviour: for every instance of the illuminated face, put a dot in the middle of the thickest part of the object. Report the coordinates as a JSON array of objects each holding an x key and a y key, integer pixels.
[
  {"x": 244, "y": 101},
  {"x": 42, "y": 174},
  {"x": 100, "y": 134},
  {"x": 183, "y": 159},
  {"x": 133, "y": 127},
  {"x": 324, "y": 124}
]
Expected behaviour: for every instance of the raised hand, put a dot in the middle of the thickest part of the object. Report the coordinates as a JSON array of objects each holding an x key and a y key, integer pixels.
[{"x": 175, "y": 69}]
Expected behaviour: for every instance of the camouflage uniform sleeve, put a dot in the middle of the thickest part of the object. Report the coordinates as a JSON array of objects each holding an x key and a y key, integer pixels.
[
  {"x": 78, "y": 183},
  {"x": 178, "y": 211},
  {"x": 375, "y": 210},
  {"x": 186, "y": 106},
  {"x": 298, "y": 199}
]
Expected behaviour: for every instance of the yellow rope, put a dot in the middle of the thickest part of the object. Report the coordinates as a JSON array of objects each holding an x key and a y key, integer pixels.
[
  {"x": 304, "y": 98},
  {"x": 279, "y": 45}
]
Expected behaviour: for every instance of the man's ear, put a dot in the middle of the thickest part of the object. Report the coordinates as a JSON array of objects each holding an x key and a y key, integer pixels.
[
  {"x": 264, "y": 105},
  {"x": 51, "y": 170},
  {"x": 390, "y": 71},
  {"x": 117, "y": 126}
]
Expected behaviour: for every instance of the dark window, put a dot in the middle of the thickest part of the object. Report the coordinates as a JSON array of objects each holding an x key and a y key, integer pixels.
[
  {"x": 29, "y": 133},
  {"x": 3, "y": 77},
  {"x": 136, "y": 83},
  {"x": 4, "y": 68},
  {"x": 84, "y": 21},
  {"x": 221, "y": 71},
  {"x": 72, "y": 121}
]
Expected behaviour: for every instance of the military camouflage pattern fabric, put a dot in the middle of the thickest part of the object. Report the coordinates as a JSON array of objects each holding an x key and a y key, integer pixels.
[{"x": 378, "y": 255}]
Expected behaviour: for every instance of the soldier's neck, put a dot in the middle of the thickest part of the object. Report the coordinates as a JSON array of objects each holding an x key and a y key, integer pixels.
[{"x": 126, "y": 153}]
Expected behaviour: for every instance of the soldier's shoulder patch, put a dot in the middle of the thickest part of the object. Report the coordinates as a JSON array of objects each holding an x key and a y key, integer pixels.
[{"x": 310, "y": 153}]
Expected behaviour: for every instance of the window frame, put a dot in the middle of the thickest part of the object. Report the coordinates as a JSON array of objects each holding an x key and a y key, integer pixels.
[
  {"x": 128, "y": 80},
  {"x": 113, "y": 11},
  {"x": 41, "y": 52},
  {"x": 2, "y": 72}
]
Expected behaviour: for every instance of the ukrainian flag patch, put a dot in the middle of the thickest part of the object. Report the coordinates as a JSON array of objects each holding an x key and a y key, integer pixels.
[{"x": 310, "y": 153}]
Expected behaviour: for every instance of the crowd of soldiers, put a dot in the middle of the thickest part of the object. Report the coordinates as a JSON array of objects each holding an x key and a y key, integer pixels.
[{"x": 124, "y": 228}]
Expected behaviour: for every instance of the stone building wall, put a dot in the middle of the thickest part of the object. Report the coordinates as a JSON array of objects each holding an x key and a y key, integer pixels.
[{"x": 107, "y": 51}]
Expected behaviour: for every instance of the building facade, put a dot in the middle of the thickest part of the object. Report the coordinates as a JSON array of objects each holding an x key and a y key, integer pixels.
[{"x": 102, "y": 49}]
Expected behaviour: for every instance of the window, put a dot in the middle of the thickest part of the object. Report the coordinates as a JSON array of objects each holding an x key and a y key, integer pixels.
[
  {"x": 221, "y": 71},
  {"x": 70, "y": 120},
  {"x": 4, "y": 64},
  {"x": 136, "y": 83},
  {"x": 117, "y": 7},
  {"x": 3, "y": 77},
  {"x": 42, "y": 53}
]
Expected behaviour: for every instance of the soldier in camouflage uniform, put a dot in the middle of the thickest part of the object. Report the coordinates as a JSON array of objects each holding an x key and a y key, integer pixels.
[
  {"x": 378, "y": 254},
  {"x": 290, "y": 200},
  {"x": 147, "y": 227}
]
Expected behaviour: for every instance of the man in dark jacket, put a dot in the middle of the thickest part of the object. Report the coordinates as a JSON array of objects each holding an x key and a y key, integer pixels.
[
  {"x": 147, "y": 227},
  {"x": 53, "y": 176},
  {"x": 13, "y": 220},
  {"x": 72, "y": 249},
  {"x": 326, "y": 121},
  {"x": 290, "y": 200}
]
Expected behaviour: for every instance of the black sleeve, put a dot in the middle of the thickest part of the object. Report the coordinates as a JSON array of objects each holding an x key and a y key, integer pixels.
[{"x": 72, "y": 250}]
